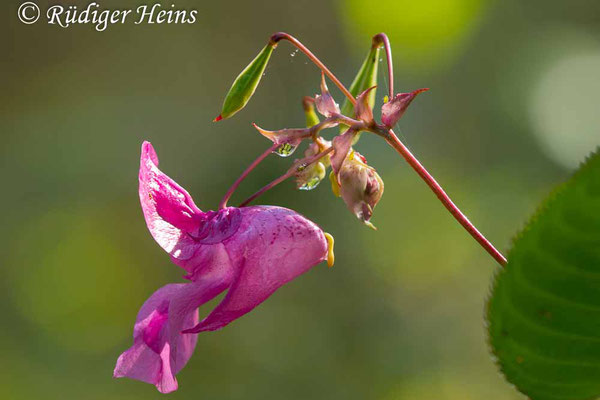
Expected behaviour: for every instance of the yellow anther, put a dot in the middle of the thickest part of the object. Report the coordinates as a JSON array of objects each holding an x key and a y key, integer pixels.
[
  {"x": 330, "y": 255},
  {"x": 386, "y": 99}
]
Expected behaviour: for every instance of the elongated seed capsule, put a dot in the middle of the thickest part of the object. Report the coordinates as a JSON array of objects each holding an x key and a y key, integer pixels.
[
  {"x": 245, "y": 84},
  {"x": 365, "y": 78}
]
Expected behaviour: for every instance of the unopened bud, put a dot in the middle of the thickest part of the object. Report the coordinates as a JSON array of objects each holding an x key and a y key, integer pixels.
[
  {"x": 310, "y": 176},
  {"x": 312, "y": 118},
  {"x": 361, "y": 187}
]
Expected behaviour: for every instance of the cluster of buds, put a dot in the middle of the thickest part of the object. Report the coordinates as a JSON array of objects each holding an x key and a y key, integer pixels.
[
  {"x": 357, "y": 183},
  {"x": 354, "y": 181}
]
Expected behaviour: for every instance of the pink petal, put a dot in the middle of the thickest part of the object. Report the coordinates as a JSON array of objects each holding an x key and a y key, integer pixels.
[
  {"x": 273, "y": 246},
  {"x": 362, "y": 109},
  {"x": 281, "y": 136},
  {"x": 341, "y": 146},
  {"x": 392, "y": 111},
  {"x": 169, "y": 210},
  {"x": 325, "y": 104},
  {"x": 160, "y": 350}
]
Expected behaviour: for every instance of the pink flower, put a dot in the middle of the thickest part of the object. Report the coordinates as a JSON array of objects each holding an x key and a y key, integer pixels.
[{"x": 250, "y": 252}]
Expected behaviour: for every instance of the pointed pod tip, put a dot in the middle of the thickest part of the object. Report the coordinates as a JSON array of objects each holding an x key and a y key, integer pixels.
[
  {"x": 370, "y": 225},
  {"x": 218, "y": 118},
  {"x": 268, "y": 134}
]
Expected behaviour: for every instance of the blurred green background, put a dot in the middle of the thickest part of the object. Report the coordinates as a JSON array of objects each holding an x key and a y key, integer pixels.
[{"x": 513, "y": 107}]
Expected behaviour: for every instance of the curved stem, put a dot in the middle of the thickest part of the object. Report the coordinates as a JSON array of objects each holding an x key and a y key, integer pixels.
[
  {"x": 244, "y": 174},
  {"x": 276, "y": 37},
  {"x": 382, "y": 38},
  {"x": 393, "y": 140},
  {"x": 290, "y": 172}
]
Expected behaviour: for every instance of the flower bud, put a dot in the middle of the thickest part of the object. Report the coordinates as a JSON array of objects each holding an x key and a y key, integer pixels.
[
  {"x": 309, "y": 177},
  {"x": 361, "y": 187},
  {"x": 318, "y": 146},
  {"x": 245, "y": 84},
  {"x": 312, "y": 118}
]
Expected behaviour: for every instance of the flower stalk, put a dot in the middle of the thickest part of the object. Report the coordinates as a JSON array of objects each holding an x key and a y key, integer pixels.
[
  {"x": 379, "y": 39},
  {"x": 289, "y": 173},
  {"x": 437, "y": 189},
  {"x": 276, "y": 37}
]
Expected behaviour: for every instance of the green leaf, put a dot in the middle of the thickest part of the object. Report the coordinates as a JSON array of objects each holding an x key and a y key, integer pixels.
[
  {"x": 544, "y": 310},
  {"x": 366, "y": 78},
  {"x": 245, "y": 84}
]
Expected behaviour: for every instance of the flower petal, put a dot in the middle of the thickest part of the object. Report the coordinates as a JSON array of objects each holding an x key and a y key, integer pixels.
[
  {"x": 341, "y": 147},
  {"x": 160, "y": 350},
  {"x": 362, "y": 109},
  {"x": 273, "y": 246},
  {"x": 393, "y": 110},
  {"x": 325, "y": 104},
  {"x": 169, "y": 210}
]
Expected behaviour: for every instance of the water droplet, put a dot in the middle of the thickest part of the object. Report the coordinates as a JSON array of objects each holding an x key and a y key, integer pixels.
[
  {"x": 285, "y": 150},
  {"x": 311, "y": 184},
  {"x": 381, "y": 59}
]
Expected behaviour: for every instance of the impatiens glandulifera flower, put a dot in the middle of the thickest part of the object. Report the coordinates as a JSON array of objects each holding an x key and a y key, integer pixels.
[
  {"x": 246, "y": 83},
  {"x": 360, "y": 187},
  {"x": 250, "y": 252},
  {"x": 392, "y": 111},
  {"x": 325, "y": 104}
]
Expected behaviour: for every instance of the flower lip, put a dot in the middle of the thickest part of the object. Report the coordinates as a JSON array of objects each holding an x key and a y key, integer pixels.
[{"x": 218, "y": 226}]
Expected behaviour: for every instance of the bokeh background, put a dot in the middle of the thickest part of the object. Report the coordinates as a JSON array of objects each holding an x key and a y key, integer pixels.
[{"x": 513, "y": 107}]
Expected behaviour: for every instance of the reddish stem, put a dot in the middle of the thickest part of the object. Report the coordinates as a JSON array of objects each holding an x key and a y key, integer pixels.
[
  {"x": 290, "y": 172},
  {"x": 393, "y": 140},
  {"x": 381, "y": 38},
  {"x": 244, "y": 174},
  {"x": 276, "y": 37}
]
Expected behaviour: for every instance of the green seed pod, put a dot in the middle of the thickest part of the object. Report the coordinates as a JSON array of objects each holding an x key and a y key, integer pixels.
[
  {"x": 245, "y": 84},
  {"x": 366, "y": 78}
]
